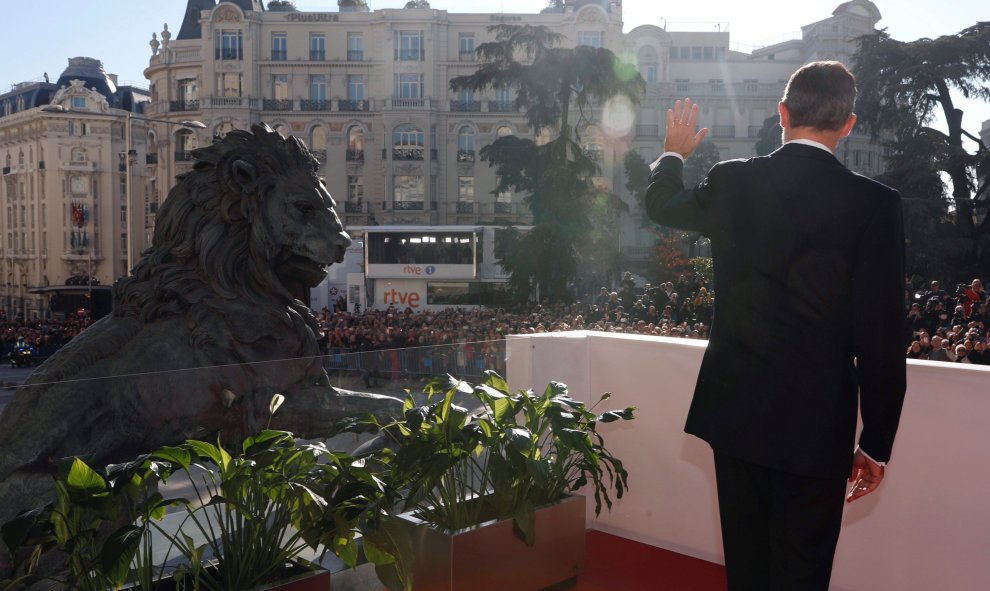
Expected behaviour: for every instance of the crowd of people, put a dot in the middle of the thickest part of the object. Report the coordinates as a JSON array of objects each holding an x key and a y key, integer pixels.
[
  {"x": 658, "y": 311},
  {"x": 45, "y": 335},
  {"x": 948, "y": 326},
  {"x": 939, "y": 325}
]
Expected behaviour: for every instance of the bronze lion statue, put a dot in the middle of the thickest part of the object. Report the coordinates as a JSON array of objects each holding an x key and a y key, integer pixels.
[{"x": 204, "y": 332}]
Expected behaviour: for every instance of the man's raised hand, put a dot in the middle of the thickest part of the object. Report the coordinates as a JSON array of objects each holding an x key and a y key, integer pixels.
[{"x": 681, "y": 122}]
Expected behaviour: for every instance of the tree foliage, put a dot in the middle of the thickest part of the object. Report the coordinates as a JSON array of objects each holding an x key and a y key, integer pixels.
[
  {"x": 697, "y": 166},
  {"x": 637, "y": 176},
  {"x": 669, "y": 254},
  {"x": 769, "y": 136},
  {"x": 557, "y": 89},
  {"x": 902, "y": 86}
]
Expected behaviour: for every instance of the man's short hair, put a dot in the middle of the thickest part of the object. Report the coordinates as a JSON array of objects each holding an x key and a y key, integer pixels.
[{"x": 820, "y": 95}]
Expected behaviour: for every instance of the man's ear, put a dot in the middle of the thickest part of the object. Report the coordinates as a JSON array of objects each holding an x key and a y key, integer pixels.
[
  {"x": 785, "y": 115},
  {"x": 848, "y": 127}
]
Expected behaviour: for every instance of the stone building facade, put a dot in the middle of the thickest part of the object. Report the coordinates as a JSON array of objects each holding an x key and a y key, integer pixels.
[
  {"x": 368, "y": 90},
  {"x": 63, "y": 212}
]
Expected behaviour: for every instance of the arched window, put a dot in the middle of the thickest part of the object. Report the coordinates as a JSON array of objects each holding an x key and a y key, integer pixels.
[
  {"x": 185, "y": 143},
  {"x": 355, "y": 144},
  {"x": 220, "y": 131},
  {"x": 648, "y": 64},
  {"x": 282, "y": 130},
  {"x": 408, "y": 143},
  {"x": 502, "y": 131},
  {"x": 20, "y": 158},
  {"x": 318, "y": 138},
  {"x": 465, "y": 144},
  {"x": 318, "y": 142},
  {"x": 77, "y": 185}
]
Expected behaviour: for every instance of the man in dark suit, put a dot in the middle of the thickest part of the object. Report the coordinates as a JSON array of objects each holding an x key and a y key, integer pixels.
[{"x": 809, "y": 289}]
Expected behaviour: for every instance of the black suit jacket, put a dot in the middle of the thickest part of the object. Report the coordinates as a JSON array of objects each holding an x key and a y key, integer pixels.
[{"x": 809, "y": 280}]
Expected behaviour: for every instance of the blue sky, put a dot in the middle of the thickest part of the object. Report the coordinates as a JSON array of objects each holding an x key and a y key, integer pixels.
[{"x": 42, "y": 38}]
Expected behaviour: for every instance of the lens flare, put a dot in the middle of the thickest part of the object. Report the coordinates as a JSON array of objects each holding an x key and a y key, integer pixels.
[{"x": 618, "y": 117}]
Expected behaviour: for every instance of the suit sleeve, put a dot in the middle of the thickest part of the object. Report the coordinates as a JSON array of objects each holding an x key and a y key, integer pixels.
[
  {"x": 670, "y": 204},
  {"x": 878, "y": 317}
]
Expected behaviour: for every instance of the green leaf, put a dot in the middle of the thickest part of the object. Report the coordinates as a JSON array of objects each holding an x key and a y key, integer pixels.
[
  {"x": 500, "y": 407},
  {"x": 415, "y": 417},
  {"x": 615, "y": 415},
  {"x": 555, "y": 389},
  {"x": 346, "y": 550},
  {"x": 84, "y": 479},
  {"x": 217, "y": 454},
  {"x": 495, "y": 381},
  {"x": 376, "y": 554},
  {"x": 18, "y": 530},
  {"x": 118, "y": 552},
  {"x": 524, "y": 522},
  {"x": 266, "y": 439},
  {"x": 520, "y": 439},
  {"x": 176, "y": 455}
]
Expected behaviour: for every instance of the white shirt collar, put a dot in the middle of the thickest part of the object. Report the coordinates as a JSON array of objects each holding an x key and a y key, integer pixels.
[{"x": 812, "y": 143}]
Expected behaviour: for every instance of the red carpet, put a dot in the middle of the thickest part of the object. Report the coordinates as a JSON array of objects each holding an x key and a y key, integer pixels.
[{"x": 617, "y": 564}]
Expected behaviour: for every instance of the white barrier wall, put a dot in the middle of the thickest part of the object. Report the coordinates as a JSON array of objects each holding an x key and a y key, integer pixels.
[{"x": 928, "y": 527}]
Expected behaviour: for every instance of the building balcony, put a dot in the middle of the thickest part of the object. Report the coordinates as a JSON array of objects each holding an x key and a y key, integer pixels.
[
  {"x": 723, "y": 131},
  {"x": 465, "y": 155},
  {"x": 276, "y": 104},
  {"x": 407, "y": 154},
  {"x": 408, "y": 206},
  {"x": 180, "y": 106},
  {"x": 355, "y": 56},
  {"x": 410, "y": 55},
  {"x": 355, "y": 207},
  {"x": 465, "y": 106},
  {"x": 228, "y": 54},
  {"x": 754, "y": 130},
  {"x": 501, "y": 107},
  {"x": 317, "y": 55},
  {"x": 663, "y": 534},
  {"x": 151, "y": 158},
  {"x": 233, "y": 101},
  {"x": 279, "y": 55},
  {"x": 672, "y": 501},
  {"x": 464, "y": 207},
  {"x": 503, "y": 207},
  {"x": 352, "y": 105},
  {"x": 466, "y": 56},
  {"x": 355, "y": 156},
  {"x": 647, "y": 131},
  {"x": 184, "y": 156},
  {"x": 409, "y": 103},
  {"x": 314, "y": 105},
  {"x": 320, "y": 155}
]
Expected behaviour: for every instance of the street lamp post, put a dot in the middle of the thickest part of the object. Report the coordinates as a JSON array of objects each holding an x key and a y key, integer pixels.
[{"x": 128, "y": 116}]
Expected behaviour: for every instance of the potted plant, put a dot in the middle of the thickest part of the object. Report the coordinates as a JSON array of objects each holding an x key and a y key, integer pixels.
[
  {"x": 255, "y": 510},
  {"x": 497, "y": 479}
]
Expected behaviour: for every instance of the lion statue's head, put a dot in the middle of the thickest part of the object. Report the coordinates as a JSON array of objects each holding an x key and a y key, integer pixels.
[{"x": 252, "y": 223}]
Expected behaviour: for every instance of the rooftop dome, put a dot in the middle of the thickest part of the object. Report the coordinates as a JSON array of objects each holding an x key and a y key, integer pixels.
[{"x": 91, "y": 72}]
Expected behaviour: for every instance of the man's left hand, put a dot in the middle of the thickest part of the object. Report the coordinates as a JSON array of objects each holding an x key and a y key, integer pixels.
[
  {"x": 866, "y": 477},
  {"x": 681, "y": 121}
]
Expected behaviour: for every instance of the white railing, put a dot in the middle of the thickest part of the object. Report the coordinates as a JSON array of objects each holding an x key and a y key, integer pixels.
[{"x": 928, "y": 527}]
